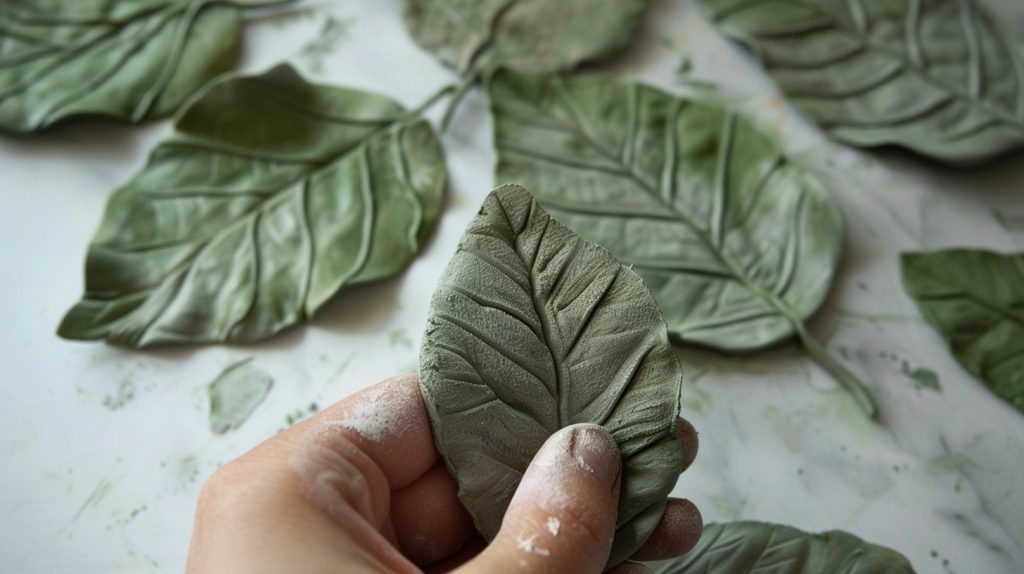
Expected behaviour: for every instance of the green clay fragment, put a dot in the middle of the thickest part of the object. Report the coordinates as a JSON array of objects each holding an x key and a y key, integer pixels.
[
  {"x": 738, "y": 244},
  {"x": 271, "y": 196},
  {"x": 533, "y": 329},
  {"x": 525, "y": 35},
  {"x": 939, "y": 77},
  {"x": 923, "y": 378},
  {"x": 975, "y": 300},
  {"x": 133, "y": 61},
  {"x": 235, "y": 394},
  {"x": 757, "y": 547}
]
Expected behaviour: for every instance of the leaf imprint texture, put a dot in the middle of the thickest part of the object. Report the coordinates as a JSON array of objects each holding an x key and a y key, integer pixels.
[
  {"x": 128, "y": 59},
  {"x": 533, "y": 329},
  {"x": 737, "y": 243},
  {"x": 975, "y": 300},
  {"x": 940, "y": 77},
  {"x": 527, "y": 35},
  {"x": 271, "y": 196}
]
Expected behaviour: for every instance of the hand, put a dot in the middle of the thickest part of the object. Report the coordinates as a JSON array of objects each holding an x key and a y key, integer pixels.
[{"x": 360, "y": 487}]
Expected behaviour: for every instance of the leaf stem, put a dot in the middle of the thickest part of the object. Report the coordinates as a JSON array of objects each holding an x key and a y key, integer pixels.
[
  {"x": 460, "y": 92},
  {"x": 441, "y": 93},
  {"x": 840, "y": 373}
]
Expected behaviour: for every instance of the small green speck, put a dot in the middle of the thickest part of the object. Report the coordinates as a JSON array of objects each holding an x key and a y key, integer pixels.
[
  {"x": 318, "y": 49},
  {"x": 685, "y": 66},
  {"x": 922, "y": 377},
  {"x": 124, "y": 395},
  {"x": 398, "y": 338}
]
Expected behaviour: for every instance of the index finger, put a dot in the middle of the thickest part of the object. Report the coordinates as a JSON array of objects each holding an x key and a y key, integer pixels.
[{"x": 389, "y": 423}]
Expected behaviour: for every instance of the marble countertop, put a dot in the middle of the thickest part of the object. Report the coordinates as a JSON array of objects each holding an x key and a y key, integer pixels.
[{"x": 104, "y": 450}]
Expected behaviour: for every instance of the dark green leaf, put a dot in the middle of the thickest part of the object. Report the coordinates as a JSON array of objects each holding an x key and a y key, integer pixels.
[
  {"x": 975, "y": 299},
  {"x": 939, "y": 77},
  {"x": 271, "y": 196},
  {"x": 132, "y": 60},
  {"x": 527, "y": 35},
  {"x": 533, "y": 329},
  {"x": 737, "y": 243},
  {"x": 761, "y": 548}
]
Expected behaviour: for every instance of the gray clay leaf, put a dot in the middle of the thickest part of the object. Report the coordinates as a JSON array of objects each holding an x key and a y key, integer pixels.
[
  {"x": 939, "y": 77},
  {"x": 526, "y": 35},
  {"x": 132, "y": 60},
  {"x": 761, "y": 548},
  {"x": 271, "y": 196},
  {"x": 975, "y": 300},
  {"x": 235, "y": 394},
  {"x": 738, "y": 244},
  {"x": 532, "y": 329}
]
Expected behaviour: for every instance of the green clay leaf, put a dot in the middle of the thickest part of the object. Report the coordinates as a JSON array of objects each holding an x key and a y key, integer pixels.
[
  {"x": 132, "y": 60},
  {"x": 271, "y": 196},
  {"x": 939, "y": 77},
  {"x": 526, "y": 35},
  {"x": 533, "y": 329},
  {"x": 235, "y": 394},
  {"x": 761, "y": 548},
  {"x": 737, "y": 243},
  {"x": 975, "y": 300}
]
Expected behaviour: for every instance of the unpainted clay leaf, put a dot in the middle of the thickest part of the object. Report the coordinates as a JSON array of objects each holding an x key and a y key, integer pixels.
[
  {"x": 939, "y": 77},
  {"x": 975, "y": 300},
  {"x": 132, "y": 60},
  {"x": 761, "y": 548},
  {"x": 532, "y": 329},
  {"x": 271, "y": 196},
  {"x": 526, "y": 35},
  {"x": 235, "y": 394},
  {"x": 737, "y": 243}
]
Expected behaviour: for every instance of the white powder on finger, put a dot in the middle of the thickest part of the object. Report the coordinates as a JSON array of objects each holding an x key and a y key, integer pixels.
[
  {"x": 553, "y": 525},
  {"x": 379, "y": 412}
]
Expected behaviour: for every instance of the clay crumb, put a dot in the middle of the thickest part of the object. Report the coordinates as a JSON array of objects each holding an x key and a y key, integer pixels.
[
  {"x": 527, "y": 545},
  {"x": 553, "y": 525}
]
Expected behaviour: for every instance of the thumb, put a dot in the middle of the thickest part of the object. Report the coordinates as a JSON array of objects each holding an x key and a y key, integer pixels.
[{"x": 562, "y": 517}]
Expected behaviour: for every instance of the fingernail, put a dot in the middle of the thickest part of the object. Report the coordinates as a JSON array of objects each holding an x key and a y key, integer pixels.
[{"x": 595, "y": 450}]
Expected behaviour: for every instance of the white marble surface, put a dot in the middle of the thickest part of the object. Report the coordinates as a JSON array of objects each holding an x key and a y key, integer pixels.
[{"x": 104, "y": 450}]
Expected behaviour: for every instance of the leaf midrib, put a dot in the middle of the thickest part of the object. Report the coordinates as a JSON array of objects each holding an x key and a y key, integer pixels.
[{"x": 736, "y": 272}]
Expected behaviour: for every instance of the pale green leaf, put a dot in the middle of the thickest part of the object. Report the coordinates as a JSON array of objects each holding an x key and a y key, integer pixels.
[
  {"x": 737, "y": 243},
  {"x": 128, "y": 59},
  {"x": 975, "y": 299},
  {"x": 939, "y": 77},
  {"x": 271, "y": 196},
  {"x": 527, "y": 35}
]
